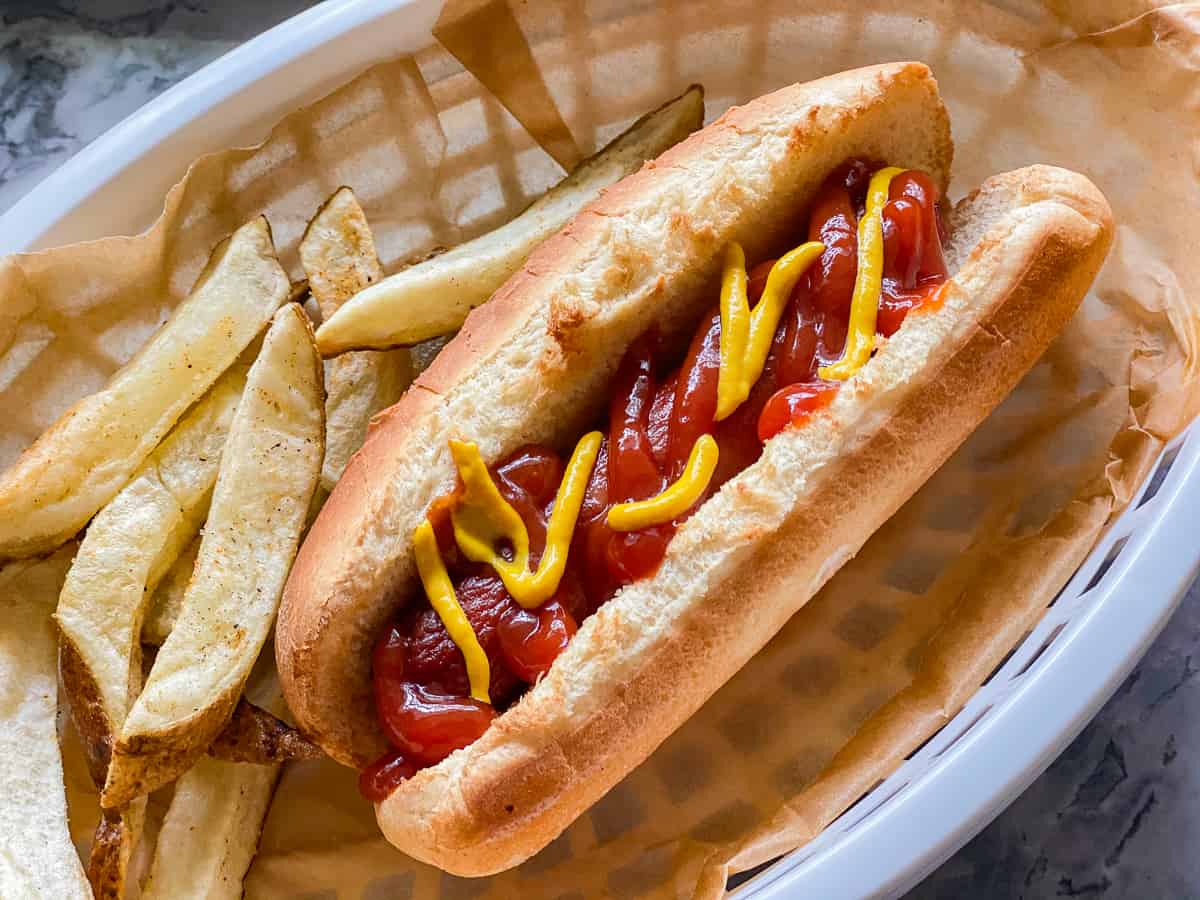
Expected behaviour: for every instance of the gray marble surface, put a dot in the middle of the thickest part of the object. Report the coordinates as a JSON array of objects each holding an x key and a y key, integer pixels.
[{"x": 1117, "y": 815}]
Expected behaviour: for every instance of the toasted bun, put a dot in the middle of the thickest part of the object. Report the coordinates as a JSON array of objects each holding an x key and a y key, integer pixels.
[
  {"x": 533, "y": 365},
  {"x": 1023, "y": 251}
]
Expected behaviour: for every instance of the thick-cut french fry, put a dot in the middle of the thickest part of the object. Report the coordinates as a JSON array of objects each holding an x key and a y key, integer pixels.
[
  {"x": 37, "y": 858},
  {"x": 81, "y": 461},
  {"x": 433, "y": 298},
  {"x": 269, "y": 469},
  {"x": 338, "y": 254},
  {"x": 127, "y": 549},
  {"x": 211, "y": 830},
  {"x": 168, "y": 596}
]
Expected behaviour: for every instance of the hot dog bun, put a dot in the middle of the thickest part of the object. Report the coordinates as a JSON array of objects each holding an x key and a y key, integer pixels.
[
  {"x": 533, "y": 365},
  {"x": 1023, "y": 250}
]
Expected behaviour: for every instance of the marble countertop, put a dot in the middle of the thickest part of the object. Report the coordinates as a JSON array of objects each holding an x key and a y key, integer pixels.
[{"x": 1115, "y": 816}]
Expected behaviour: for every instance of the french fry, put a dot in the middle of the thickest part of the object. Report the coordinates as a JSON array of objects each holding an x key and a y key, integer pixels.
[
  {"x": 338, "y": 255},
  {"x": 38, "y": 859},
  {"x": 433, "y": 297},
  {"x": 211, "y": 830},
  {"x": 127, "y": 550},
  {"x": 84, "y": 459},
  {"x": 269, "y": 468},
  {"x": 168, "y": 596}
]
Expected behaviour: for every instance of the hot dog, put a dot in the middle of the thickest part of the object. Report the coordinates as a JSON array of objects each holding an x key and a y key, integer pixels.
[{"x": 654, "y": 444}]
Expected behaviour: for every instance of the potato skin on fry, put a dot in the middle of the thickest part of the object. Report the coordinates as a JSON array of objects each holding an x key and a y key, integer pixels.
[
  {"x": 117, "y": 833},
  {"x": 253, "y": 735}
]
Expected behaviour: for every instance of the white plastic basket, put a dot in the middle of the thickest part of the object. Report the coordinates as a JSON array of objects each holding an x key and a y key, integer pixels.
[
  {"x": 1013, "y": 727},
  {"x": 1027, "y": 711}
]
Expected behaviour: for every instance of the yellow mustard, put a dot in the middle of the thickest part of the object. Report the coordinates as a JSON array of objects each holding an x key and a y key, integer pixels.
[
  {"x": 746, "y": 336},
  {"x": 483, "y": 519},
  {"x": 676, "y": 499},
  {"x": 442, "y": 598},
  {"x": 735, "y": 331},
  {"x": 868, "y": 282}
]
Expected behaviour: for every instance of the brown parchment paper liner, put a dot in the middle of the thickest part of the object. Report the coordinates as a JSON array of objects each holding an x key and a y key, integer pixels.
[{"x": 904, "y": 633}]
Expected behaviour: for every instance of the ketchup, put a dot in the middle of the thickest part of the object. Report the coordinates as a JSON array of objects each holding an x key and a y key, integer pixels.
[
  {"x": 655, "y": 416},
  {"x": 912, "y": 249}
]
